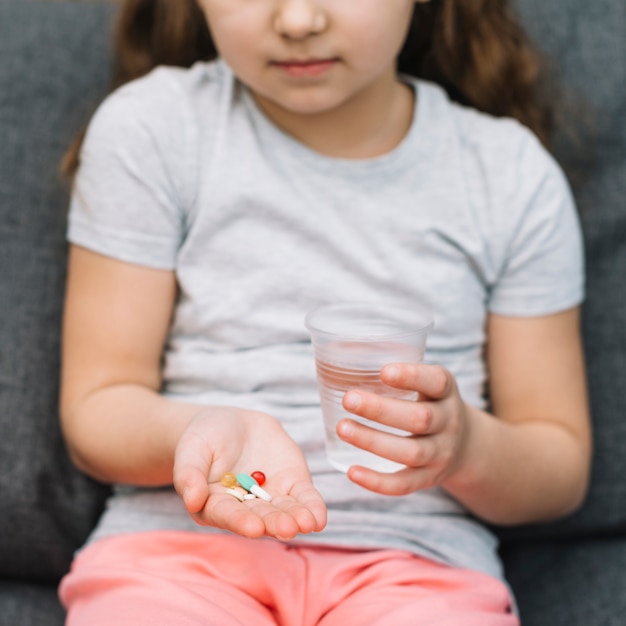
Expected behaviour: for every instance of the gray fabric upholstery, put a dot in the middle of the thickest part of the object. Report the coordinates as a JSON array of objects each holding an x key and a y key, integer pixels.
[
  {"x": 570, "y": 583},
  {"x": 29, "y": 604},
  {"x": 54, "y": 69},
  {"x": 587, "y": 42},
  {"x": 573, "y": 572}
]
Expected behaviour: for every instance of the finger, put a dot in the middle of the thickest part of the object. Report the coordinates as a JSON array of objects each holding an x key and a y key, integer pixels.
[
  {"x": 193, "y": 492},
  {"x": 190, "y": 477},
  {"x": 432, "y": 381},
  {"x": 296, "y": 483},
  {"x": 310, "y": 498},
  {"x": 412, "y": 451},
  {"x": 225, "y": 511},
  {"x": 279, "y": 516},
  {"x": 284, "y": 517},
  {"x": 399, "y": 483},
  {"x": 419, "y": 418},
  {"x": 302, "y": 505}
]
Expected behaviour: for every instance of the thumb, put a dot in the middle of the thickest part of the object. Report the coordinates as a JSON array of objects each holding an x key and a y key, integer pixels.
[
  {"x": 193, "y": 490},
  {"x": 190, "y": 477}
]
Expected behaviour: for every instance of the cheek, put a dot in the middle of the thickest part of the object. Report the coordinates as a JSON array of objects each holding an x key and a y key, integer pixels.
[
  {"x": 376, "y": 42},
  {"x": 235, "y": 29},
  {"x": 236, "y": 46},
  {"x": 376, "y": 51}
]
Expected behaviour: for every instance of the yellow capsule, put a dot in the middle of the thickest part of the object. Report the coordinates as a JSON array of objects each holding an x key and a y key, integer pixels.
[{"x": 229, "y": 480}]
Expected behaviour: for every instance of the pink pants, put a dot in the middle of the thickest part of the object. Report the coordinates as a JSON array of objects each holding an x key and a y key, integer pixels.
[{"x": 184, "y": 579}]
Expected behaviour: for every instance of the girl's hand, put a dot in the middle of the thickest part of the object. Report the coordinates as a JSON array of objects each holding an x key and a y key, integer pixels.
[
  {"x": 438, "y": 421},
  {"x": 225, "y": 439}
]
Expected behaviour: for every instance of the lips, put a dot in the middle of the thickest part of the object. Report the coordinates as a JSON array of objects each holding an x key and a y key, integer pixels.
[{"x": 308, "y": 68}]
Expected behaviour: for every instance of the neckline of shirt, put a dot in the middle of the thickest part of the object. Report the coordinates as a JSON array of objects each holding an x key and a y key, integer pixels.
[{"x": 417, "y": 147}]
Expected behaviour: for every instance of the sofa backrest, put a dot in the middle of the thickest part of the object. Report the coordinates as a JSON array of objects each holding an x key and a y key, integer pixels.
[
  {"x": 54, "y": 69},
  {"x": 587, "y": 43}
]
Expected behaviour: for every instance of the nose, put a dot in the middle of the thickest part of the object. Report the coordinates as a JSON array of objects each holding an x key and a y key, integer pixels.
[{"x": 297, "y": 19}]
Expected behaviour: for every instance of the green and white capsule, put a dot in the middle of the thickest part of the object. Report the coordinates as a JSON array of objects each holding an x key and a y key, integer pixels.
[{"x": 251, "y": 485}]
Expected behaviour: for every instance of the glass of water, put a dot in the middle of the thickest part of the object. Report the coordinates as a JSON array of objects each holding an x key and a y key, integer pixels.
[{"x": 352, "y": 343}]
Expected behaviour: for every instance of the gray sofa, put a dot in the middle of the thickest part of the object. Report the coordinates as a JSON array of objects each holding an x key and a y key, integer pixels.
[{"x": 54, "y": 67}]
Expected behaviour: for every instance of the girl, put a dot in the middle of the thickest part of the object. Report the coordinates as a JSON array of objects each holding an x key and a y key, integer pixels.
[{"x": 216, "y": 202}]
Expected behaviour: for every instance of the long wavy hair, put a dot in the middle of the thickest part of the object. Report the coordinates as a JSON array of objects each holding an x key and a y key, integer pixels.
[{"x": 475, "y": 49}]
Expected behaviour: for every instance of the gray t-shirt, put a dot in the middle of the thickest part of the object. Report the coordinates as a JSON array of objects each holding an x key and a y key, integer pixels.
[{"x": 468, "y": 215}]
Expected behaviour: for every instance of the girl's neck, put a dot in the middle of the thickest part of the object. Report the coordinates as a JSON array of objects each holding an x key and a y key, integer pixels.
[{"x": 366, "y": 127}]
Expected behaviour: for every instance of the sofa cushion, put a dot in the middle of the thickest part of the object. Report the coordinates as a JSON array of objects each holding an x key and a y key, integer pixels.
[
  {"x": 569, "y": 583},
  {"x": 29, "y": 604},
  {"x": 55, "y": 67}
]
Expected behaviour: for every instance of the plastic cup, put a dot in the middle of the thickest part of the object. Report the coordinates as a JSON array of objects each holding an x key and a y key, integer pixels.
[{"x": 352, "y": 343}]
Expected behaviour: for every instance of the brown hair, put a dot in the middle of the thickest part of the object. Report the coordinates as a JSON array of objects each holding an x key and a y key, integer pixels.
[{"x": 475, "y": 49}]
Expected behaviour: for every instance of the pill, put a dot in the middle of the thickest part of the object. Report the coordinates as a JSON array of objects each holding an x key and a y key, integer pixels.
[
  {"x": 229, "y": 480},
  {"x": 251, "y": 485},
  {"x": 249, "y": 496},
  {"x": 235, "y": 493},
  {"x": 261, "y": 493},
  {"x": 246, "y": 481},
  {"x": 259, "y": 477}
]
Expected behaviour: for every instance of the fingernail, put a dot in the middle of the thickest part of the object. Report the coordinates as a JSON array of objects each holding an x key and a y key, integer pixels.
[
  {"x": 354, "y": 474},
  {"x": 352, "y": 400},
  {"x": 345, "y": 428},
  {"x": 391, "y": 373}
]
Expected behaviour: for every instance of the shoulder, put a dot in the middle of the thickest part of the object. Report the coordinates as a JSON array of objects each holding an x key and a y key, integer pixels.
[
  {"x": 165, "y": 99},
  {"x": 508, "y": 151},
  {"x": 503, "y": 164},
  {"x": 501, "y": 145},
  {"x": 158, "y": 124},
  {"x": 518, "y": 196},
  {"x": 508, "y": 154}
]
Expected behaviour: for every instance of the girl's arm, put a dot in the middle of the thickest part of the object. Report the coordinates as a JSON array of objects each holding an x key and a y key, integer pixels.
[
  {"x": 533, "y": 463},
  {"x": 116, "y": 426},
  {"x": 530, "y": 463},
  {"x": 119, "y": 428}
]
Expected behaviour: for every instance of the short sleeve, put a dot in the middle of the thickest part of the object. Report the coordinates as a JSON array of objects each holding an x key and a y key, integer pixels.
[
  {"x": 128, "y": 196},
  {"x": 541, "y": 268}
]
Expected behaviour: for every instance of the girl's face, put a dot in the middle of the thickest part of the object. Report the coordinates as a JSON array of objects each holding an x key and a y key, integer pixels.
[{"x": 310, "y": 56}]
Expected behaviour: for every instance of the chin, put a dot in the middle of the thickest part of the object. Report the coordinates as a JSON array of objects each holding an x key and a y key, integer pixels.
[{"x": 306, "y": 105}]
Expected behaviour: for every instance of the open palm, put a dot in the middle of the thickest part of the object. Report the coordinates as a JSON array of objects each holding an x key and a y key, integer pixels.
[{"x": 225, "y": 439}]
